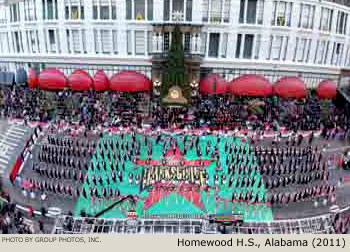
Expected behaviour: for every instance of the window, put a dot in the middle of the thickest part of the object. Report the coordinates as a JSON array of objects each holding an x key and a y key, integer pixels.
[
  {"x": 115, "y": 41},
  {"x": 341, "y": 22},
  {"x": 50, "y": 9},
  {"x": 176, "y": 10},
  {"x": 302, "y": 49},
  {"x": 74, "y": 9},
  {"x": 17, "y": 42},
  {"x": 139, "y": 10},
  {"x": 149, "y": 42},
  {"x": 239, "y": 45},
  {"x": 203, "y": 43},
  {"x": 52, "y": 46},
  {"x": 3, "y": 43},
  {"x": 278, "y": 47},
  {"x": 282, "y": 13},
  {"x": 216, "y": 11},
  {"x": 3, "y": 18},
  {"x": 257, "y": 46},
  {"x": 32, "y": 41},
  {"x": 307, "y": 15},
  {"x": 140, "y": 43},
  {"x": 166, "y": 41},
  {"x": 14, "y": 13},
  {"x": 326, "y": 19},
  {"x": 322, "y": 51},
  {"x": 251, "y": 11},
  {"x": 76, "y": 41},
  {"x": 214, "y": 39},
  {"x": 337, "y": 53},
  {"x": 224, "y": 41},
  {"x": 187, "y": 42},
  {"x": 247, "y": 45},
  {"x": 104, "y": 9},
  {"x": 29, "y": 10},
  {"x": 129, "y": 39},
  {"x": 97, "y": 41},
  {"x": 106, "y": 41}
]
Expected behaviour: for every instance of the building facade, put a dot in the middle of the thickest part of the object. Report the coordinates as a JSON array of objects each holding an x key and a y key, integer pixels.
[{"x": 308, "y": 38}]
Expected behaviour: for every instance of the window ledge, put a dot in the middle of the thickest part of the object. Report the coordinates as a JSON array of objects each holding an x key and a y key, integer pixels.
[
  {"x": 309, "y": 30},
  {"x": 68, "y": 21},
  {"x": 250, "y": 25},
  {"x": 102, "y": 21}
]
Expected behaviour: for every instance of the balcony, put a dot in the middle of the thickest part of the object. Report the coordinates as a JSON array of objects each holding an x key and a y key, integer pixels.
[
  {"x": 164, "y": 55},
  {"x": 177, "y": 16}
]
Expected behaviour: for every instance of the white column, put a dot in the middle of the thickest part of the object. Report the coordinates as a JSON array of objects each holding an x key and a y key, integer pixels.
[
  {"x": 123, "y": 42},
  {"x": 242, "y": 46},
  {"x": 146, "y": 12},
  {"x": 133, "y": 10},
  {"x": 171, "y": 11},
  {"x": 245, "y": 11},
  {"x": 21, "y": 29},
  {"x": 154, "y": 42},
  {"x": 266, "y": 44},
  {"x": 209, "y": 12},
  {"x": 133, "y": 42},
  {"x": 46, "y": 11},
  {"x": 81, "y": 41},
  {"x": 207, "y": 47},
  {"x": 48, "y": 44},
  {"x": 100, "y": 48},
  {"x": 110, "y": 10},
  {"x": 79, "y": 8},
  {"x": 254, "y": 45},
  {"x": 57, "y": 41},
  {"x": 19, "y": 14},
  {"x": 71, "y": 41},
  {"x": 220, "y": 44},
  {"x": 185, "y": 10},
  {"x": 231, "y": 45},
  {"x": 61, "y": 26},
  {"x": 268, "y": 11},
  {"x": 146, "y": 42},
  {"x": 193, "y": 43},
  {"x": 98, "y": 9},
  {"x": 89, "y": 32},
  {"x": 54, "y": 9},
  {"x": 234, "y": 13},
  {"x": 158, "y": 10},
  {"x": 197, "y": 11},
  {"x": 69, "y": 9}
]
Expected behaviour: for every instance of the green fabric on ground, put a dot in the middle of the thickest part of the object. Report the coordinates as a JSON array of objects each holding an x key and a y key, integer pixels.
[{"x": 175, "y": 203}]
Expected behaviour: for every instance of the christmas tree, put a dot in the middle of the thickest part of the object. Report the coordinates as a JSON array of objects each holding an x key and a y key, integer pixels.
[{"x": 175, "y": 75}]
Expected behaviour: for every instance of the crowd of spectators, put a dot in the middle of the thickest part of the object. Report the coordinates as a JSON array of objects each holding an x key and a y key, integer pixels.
[{"x": 114, "y": 109}]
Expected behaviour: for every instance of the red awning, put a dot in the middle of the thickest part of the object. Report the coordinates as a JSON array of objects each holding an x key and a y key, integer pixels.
[
  {"x": 80, "y": 80},
  {"x": 207, "y": 85},
  {"x": 251, "y": 85},
  {"x": 290, "y": 87},
  {"x": 130, "y": 81},
  {"x": 101, "y": 81},
  {"x": 327, "y": 89},
  {"x": 33, "y": 78},
  {"x": 52, "y": 79}
]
